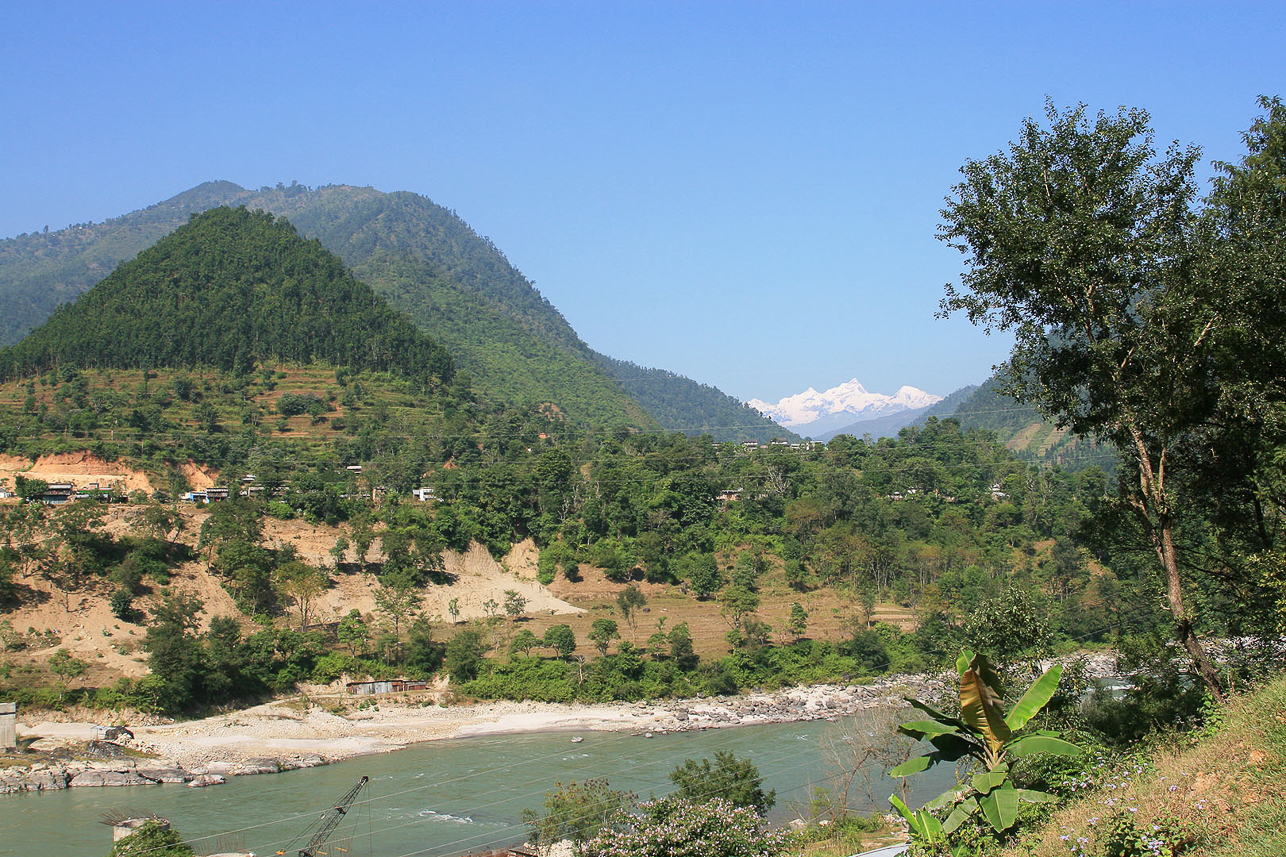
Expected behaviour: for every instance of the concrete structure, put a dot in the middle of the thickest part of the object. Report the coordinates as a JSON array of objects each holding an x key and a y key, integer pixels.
[
  {"x": 8, "y": 725},
  {"x": 397, "y": 685},
  {"x": 126, "y": 826}
]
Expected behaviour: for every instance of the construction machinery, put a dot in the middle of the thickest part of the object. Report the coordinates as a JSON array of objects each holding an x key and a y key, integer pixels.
[{"x": 321, "y": 829}]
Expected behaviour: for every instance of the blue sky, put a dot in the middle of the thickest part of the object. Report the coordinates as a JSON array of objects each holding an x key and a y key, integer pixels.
[{"x": 745, "y": 193}]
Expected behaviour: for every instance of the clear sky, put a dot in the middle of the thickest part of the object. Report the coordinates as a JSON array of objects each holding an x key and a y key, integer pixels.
[{"x": 745, "y": 193}]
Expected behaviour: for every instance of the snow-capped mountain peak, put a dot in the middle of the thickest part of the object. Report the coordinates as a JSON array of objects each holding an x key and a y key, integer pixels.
[{"x": 850, "y": 399}]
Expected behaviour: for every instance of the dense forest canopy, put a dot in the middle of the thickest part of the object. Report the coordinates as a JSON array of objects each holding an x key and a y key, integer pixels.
[{"x": 228, "y": 290}]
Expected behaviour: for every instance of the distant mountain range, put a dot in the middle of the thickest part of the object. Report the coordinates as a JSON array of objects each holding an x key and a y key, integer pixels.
[
  {"x": 843, "y": 409},
  {"x": 511, "y": 344}
]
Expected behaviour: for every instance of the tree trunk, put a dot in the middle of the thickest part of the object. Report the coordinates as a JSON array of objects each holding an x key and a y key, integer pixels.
[
  {"x": 1153, "y": 509},
  {"x": 1164, "y": 543}
]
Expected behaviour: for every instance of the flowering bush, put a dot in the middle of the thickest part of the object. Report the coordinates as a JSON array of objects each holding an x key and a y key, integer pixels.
[{"x": 673, "y": 827}]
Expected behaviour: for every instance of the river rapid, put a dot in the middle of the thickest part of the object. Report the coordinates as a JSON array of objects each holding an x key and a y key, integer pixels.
[{"x": 448, "y": 797}]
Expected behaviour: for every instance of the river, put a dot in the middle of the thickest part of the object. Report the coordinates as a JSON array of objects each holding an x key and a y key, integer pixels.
[{"x": 437, "y": 798}]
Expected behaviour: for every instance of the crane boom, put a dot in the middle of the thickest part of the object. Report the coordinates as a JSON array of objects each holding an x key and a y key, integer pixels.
[{"x": 329, "y": 820}]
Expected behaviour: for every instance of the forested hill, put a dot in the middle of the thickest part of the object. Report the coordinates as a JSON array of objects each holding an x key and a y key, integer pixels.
[
  {"x": 1019, "y": 427},
  {"x": 451, "y": 281},
  {"x": 228, "y": 290},
  {"x": 40, "y": 270},
  {"x": 681, "y": 404}
]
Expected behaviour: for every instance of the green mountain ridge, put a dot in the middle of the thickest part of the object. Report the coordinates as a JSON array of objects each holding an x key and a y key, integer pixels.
[
  {"x": 513, "y": 344},
  {"x": 1019, "y": 427},
  {"x": 230, "y": 289}
]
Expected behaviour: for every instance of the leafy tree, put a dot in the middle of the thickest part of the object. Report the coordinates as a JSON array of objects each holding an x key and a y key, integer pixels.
[
  {"x": 363, "y": 536},
  {"x": 1012, "y": 628},
  {"x": 464, "y": 654},
  {"x": 524, "y": 641},
  {"x": 729, "y": 778},
  {"x": 338, "y": 551},
  {"x": 122, "y": 603},
  {"x": 76, "y": 540},
  {"x": 602, "y": 633},
  {"x": 66, "y": 666},
  {"x": 422, "y": 652},
  {"x": 397, "y": 598},
  {"x": 797, "y": 625},
  {"x": 1081, "y": 242},
  {"x": 515, "y": 604},
  {"x": 29, "y": 489},
  {"x": 866, "y": 596},
  {"x": 158, "y": 522},
  {"x": 736, "y": 603},
  {"x": 629, "y": 601},
  {"x": 681, "y": 648},
  {"x": 703, "y": 574},
  {"x": 798, "y": 577},
  {"x": 674, "y": 827},
  {"x": 576, "y": 812},
  {"x": 231, "y": 520},
  {"x": 247, "y": 571},
  {"x": 561, "y": 639},
  {"x": 354, "y": 633},
  {"x": 175, "y": 651},
  {"x": 302, "y": 584}
]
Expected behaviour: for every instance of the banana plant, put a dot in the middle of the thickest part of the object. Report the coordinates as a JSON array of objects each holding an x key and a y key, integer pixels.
[{"x": 984, "y": 735}]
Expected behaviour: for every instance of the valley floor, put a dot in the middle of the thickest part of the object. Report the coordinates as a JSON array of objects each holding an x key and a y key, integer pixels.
[{"x": 319, "y": 726}]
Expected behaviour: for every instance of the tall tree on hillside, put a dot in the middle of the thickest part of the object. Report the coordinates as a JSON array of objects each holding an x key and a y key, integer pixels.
[
  {"x": 1084, "y": 244},
  {"x": 629, "y": 601},
  {"x": 1240, "y": 477}
]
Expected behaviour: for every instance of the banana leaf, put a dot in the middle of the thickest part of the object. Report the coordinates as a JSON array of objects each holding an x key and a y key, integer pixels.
[
  {"x": 953, "y": 747},
  {"x": 1031, "y": 744},
  {"x": 946, "y": 748},
  {"x": 922, "y": 824},
  {"x": 924, "y": 729},
  {"x": 1041, "y": 691},
  {"x": 1033, "y": 796},
  {"x": 914, "y": 766},
  {"x": 935, "y": 713},
  {"x": 960, "y": 815},
  {"x": 981, "y": 709},
  {"x": 983, "y": 783},
  {"x": 1000, "y": 808}
]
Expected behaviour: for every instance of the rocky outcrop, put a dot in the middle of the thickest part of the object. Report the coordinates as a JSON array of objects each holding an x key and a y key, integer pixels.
[
  {"x": 50, "y": 776},
  {"x": 165, "y": 775},
  {"x": 110, "y": 778},
  {"x": 19, "y": 780},
  {"x": 820, "y": 702}
]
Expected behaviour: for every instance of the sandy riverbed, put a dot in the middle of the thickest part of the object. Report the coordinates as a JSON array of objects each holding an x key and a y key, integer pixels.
[{"x": 293, "y": 728}]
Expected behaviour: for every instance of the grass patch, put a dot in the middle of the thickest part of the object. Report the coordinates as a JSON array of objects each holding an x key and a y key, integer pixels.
[{"x": 1216, "y": 793}]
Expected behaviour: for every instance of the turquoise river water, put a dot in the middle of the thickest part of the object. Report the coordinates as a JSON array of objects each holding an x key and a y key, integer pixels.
[{"x": 437, "y": 798}]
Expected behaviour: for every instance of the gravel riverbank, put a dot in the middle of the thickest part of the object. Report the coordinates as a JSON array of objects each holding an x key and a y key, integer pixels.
[{"x": 289, "y": 734}]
